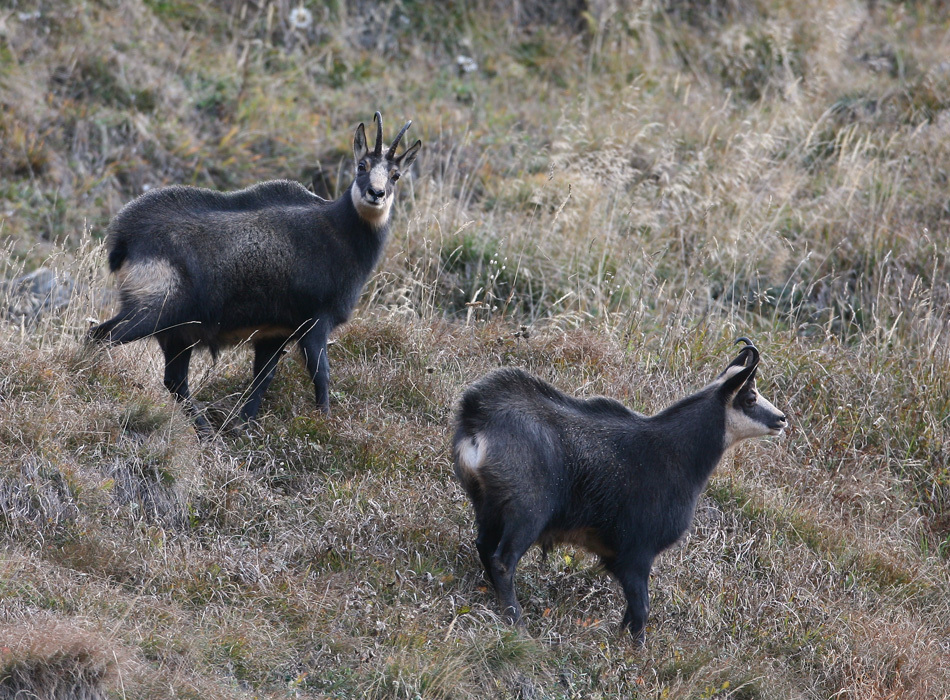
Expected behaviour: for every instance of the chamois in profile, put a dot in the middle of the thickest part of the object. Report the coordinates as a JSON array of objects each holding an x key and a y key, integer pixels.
[
  {"x": 269, "y": 265},
  {"x": 543, "y": 467}
]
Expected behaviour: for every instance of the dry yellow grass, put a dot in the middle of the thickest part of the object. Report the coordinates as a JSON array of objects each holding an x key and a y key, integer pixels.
[{"x": 616, "y": 193}]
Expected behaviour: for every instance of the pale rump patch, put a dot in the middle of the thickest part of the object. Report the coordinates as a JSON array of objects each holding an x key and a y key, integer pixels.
[
  {"x": 471, "y": 452},
  {"x": 147, "y": 278}
]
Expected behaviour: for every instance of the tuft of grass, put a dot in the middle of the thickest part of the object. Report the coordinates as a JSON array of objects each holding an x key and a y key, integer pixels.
[{"x": 57, "y": 659}]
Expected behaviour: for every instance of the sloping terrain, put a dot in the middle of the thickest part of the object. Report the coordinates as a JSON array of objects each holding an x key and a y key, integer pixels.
[{"x": 609, "y": 193}]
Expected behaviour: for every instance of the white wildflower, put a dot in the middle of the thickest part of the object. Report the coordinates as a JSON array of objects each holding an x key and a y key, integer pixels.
[
  {"x": 466, "y": 64},
  {"x": 300, "y": 18}
]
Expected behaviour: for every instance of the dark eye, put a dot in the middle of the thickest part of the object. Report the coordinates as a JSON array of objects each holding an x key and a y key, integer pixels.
[
  {"x": 749, "y": 400},
  {"x": 361, "y": 167},
  {"x": 395, "y": 176}
]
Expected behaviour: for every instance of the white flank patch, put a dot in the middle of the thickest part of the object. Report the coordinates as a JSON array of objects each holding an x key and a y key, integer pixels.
[
  {"x": 471, "y": 452},
  {"x": 148, "y": 278}
]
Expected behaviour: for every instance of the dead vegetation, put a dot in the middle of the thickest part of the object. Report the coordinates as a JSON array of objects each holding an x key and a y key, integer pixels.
[{"x": 611, "y": 195}]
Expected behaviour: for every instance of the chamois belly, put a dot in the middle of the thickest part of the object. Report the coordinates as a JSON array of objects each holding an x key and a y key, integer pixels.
[
  {"x": 585, "y": 537},
  {"x": 254, "y": 334}
]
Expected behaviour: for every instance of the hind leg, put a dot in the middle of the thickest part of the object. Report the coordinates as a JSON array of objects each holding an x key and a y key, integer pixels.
[
  {"x": 489, "y": 535},
  {"x": 177, "y": 357},
  {"x": 516, "y": 538}
]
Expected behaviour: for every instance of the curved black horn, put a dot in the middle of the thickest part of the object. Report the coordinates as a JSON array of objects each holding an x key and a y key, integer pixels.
[
  {"x": 378, "y": 118},
  {"x": 391, "y": 153},
  {"x": 749, "y": 348}
]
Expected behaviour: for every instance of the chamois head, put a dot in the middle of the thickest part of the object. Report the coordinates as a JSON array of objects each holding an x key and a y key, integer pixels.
[
  {"x": 377, "y": 172},
  {"x": 748, "y": 413}
]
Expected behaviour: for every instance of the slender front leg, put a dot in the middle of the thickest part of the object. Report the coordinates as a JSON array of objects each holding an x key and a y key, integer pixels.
[
  {"x": 267, "y": 354},
  {"x": 634, "y": 578},
  {"x": 313, "y": 345}
]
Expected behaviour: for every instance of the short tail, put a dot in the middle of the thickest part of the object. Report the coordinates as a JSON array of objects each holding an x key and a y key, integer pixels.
[
  {"x": 103, "y": 332},
  {"x": 470, "y": 453},
  {"x": 117, "y": 254}
]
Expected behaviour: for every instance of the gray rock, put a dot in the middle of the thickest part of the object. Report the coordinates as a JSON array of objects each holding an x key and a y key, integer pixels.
[{"x": 30, "y": 296}]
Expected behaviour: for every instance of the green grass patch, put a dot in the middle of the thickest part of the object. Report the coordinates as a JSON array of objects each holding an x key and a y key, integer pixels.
[{"x": 866, "y": 568}]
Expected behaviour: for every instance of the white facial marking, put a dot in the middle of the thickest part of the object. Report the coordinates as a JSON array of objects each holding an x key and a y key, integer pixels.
[
  {"x": 471, "y": 453},
  {"x": 770, "y": 407},
  {"x": 147, "y": 278},
  {"x": 740, "y": 426},
  {"x": 379, "y": 176},
  {"x": 374, "y": 213}
]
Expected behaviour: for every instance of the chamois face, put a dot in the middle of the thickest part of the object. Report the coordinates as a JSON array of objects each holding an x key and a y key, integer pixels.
[
  {"x": 748, "y": 413},
  {"x": 377, "y": 172},
  {"x": 752, "y": 415}
]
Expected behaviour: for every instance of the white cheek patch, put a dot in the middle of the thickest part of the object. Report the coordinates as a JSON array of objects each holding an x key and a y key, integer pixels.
[
  {"x": 739, "y": 426},
  {"x": 471, "y": 453}
]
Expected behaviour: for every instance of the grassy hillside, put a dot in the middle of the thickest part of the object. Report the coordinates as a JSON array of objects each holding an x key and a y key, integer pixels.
[{"x": 609, "y": 193}]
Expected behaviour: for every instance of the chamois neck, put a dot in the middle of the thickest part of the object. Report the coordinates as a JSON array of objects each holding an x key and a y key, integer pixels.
[
  {"x": 695, "y": 428},
  {"x": 364, "y": 241}
]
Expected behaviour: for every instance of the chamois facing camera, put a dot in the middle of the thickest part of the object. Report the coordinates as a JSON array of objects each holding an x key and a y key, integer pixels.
[{"x": 270, "y": 265}]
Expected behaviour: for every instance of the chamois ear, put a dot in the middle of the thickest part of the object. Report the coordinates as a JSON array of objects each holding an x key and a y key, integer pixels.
[
  {"x": 735, "y": 378},
  {"x": 749, "y": 355},
  {"x": 359, "y": 143},
  {"x": 405, "y": 160},
  {"x": 741, "y": 370}
]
